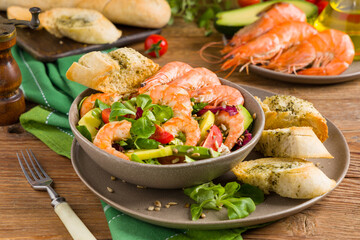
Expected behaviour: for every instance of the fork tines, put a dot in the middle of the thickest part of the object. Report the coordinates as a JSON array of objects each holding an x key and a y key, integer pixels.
[{"x": 33, "y": 168}]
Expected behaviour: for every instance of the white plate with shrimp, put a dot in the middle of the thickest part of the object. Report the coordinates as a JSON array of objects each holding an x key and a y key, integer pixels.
[
  {"x": 134, "y": 201},
  {"x": 352, "y": 73}
]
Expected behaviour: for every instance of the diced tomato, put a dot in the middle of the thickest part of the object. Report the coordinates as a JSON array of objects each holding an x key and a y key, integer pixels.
[
  {"x": 321, "y": 5},
  {"x": 213, "y": 139},
  {"x": 244, "y": 3},
  {"x": 161, "y": 135},
  {"x": 105, "y": 114}
]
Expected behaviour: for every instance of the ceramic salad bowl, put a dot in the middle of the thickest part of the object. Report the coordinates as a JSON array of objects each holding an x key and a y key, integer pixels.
[{"x": 170, "y": 176}]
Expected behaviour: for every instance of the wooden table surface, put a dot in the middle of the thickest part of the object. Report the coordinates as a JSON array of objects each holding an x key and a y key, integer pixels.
[{"x": 27, "y": 214}]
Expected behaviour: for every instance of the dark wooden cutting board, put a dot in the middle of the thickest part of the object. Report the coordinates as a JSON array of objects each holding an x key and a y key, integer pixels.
[{"x": 47, "y": 48}]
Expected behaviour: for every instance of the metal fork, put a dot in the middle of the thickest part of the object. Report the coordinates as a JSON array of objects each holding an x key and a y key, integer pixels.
[{"x": 39, "y": 180}]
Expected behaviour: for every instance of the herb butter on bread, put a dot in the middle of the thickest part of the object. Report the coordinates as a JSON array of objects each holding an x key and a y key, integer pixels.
[
  {"x": 293, "y": 142},
  {"x": 288, "y": 177},
  {"x": 282, "y": 111},
  {"x": 119, "y": 71},
  {"x": 82, "y": 25}
]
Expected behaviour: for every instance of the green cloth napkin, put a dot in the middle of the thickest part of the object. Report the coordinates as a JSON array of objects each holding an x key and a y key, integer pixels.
[{"x": 46, "y": 84}]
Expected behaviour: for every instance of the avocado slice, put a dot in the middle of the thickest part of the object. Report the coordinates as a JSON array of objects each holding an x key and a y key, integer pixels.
[
  {"x": 207, "y": 120},
  {"x": 248, "y": 119},
  {"x": 194, "y": 152},
  {"x": 229, "y": 22},
  {"x": 151, "y": 153},
  {"x": 91, "y": 120}
]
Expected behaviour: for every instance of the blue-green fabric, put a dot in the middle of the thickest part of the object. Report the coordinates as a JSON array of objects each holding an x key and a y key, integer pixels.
[{"x": 46, "y": 84}]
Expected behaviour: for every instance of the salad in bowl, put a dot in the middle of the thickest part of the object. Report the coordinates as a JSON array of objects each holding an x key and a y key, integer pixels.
[{"x": 183, "y": 126}]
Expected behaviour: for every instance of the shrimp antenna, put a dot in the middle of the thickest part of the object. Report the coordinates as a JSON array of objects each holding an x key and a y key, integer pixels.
[
  {"x": 202, "y": 50},
  {"x": 232, "y": 70}
]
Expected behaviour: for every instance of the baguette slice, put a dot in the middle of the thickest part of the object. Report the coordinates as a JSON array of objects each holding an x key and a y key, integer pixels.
[
  {"x": 82, "y": 25},
  {"x": 283, "y": 111},
  {"x": 294, "y": 142},
  {"x": 288, "y": 177},
  {"x": 120, "y": 71}
]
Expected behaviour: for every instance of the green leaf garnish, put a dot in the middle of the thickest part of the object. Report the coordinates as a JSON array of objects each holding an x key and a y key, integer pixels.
[
  {"x": 143, "y": 128},
  {"x": 198, "y": 106},
  {"x": 162, "y": 113},
  {"x": 100, "y": 104},
  {"x": 211, "y": 196},
  {"x": 145, "y": 143}
]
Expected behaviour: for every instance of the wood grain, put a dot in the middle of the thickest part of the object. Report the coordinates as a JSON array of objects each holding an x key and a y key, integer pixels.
[{"x": 27, "y": 214}]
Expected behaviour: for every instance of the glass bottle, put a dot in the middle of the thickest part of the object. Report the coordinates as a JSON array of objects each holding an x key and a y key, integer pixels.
[{"x": 343, "y": 15}]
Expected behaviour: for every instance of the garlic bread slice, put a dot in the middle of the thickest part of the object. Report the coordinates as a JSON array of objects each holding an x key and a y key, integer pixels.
[
  {"x": 293, "y": 142},
  {"x": 288, "y": 177}
]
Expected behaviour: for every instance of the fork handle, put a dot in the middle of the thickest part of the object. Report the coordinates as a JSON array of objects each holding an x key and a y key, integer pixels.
[{"x": 72, "y": 222}]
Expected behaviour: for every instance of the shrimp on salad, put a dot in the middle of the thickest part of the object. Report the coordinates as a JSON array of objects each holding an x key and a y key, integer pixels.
[
  {"x": 217, "y": 95},
  {"x": 196, "y": 78},
  {"x": 184, "y": 124},
  {"x": 176, "y": 98},
  {"x": 111, "y": 132},
  {"x": 89, "y": 102},
  {"x": 166, "y": 74},
  {"x": 234, "y": 125}
]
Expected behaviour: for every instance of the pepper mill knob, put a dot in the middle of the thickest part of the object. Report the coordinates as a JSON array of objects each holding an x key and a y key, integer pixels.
[{"x": 12, "y": 102}]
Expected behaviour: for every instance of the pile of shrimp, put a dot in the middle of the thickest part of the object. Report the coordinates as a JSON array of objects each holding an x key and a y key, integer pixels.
[
  {"x": 178, "y": 86},
  {"x": 281, "y": 40}
]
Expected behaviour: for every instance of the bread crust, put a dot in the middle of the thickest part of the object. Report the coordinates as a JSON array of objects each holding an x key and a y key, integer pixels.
[
  {"x": 119, "y": 71},
  {"x": 283, "y": 111},
  {"x": 141, "y": 13},
  {"x": 82, "y": 25},
  {"x": 288, "y": 177},
  {"x": 293, "y": 142}
]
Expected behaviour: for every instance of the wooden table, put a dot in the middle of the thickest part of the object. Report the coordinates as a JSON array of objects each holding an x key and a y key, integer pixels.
[{"x": 27, "y": 214}]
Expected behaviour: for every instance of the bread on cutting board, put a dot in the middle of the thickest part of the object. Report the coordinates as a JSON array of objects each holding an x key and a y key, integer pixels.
[
  {"x": 82, "y": 25},
  {"x": 288, "y": 177},
  {"x": 141, "y": 13},
  {"x": 282, "y": 111},
  {"x": 119, "y": 71},
  {"x": 293, "y": 142}
]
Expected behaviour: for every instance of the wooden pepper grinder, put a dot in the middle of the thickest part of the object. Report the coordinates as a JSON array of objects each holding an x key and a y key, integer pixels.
[{"x": 12, "y": 102}]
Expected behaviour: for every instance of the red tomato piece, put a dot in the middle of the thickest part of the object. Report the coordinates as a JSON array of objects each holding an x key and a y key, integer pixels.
[
  {"x": 213, "y": 139},
  {"x": 312, "y": 1},
  {"x": 161, "y": 135},
  {"x": 321, "y": 5},
  {"x": 105, "y": 114},
  {"x": 244, "y": 3},
  {"x": 156, "y": 45}
]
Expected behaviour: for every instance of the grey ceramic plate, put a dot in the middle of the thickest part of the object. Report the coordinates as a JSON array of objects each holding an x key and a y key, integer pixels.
[
  {"x": 134, "y": 201},
  {"x": 352, "y": 73}
]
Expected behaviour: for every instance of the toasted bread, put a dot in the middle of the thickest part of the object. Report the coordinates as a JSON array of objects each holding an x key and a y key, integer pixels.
[
  {"x": 20, "y": 13},
  {"x": 120, "y": 71},
  {"x": 294, "y": 142},
  {"x": 283, "y": 111},
  {"x": 82, "y": 25},
  {"x": 288, "y": 177}
]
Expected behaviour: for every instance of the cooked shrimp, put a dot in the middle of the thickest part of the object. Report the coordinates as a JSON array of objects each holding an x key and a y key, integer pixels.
[
  {"x": 176, "y": 98},
  {"x": 111, "y": 132},
  {"x": 275, "y": 15},
  {"x": 167, "y": 73},
  {"x": 234, "y": 124},
  {"x": 217, "y": 95},
  {"x": 185, "y": 124},
  {"x": 89, "y": 102},
  {"x": 269, "y": 44},
  {"x": 328, "y": 53},
  {"x": 196, "y": 78}
]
